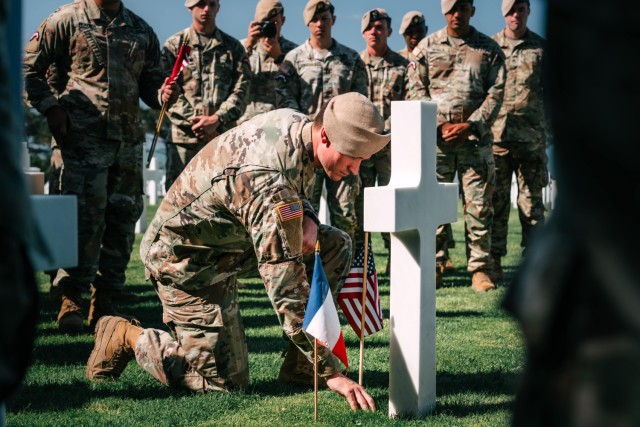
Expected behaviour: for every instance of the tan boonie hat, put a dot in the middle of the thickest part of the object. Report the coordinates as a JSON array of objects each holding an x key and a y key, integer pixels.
[
  {"x": 313, "y": 7},
  {"x": 411, "y": 18},
  {"x": 447, "y": 5},
  {"x": 354, "y": 125},
  {"x": 266, "y": 9},
  {"x": 508, "y": 4},
  {"x": 191, "y": 3},
  {"x": 373, "y": 15}
]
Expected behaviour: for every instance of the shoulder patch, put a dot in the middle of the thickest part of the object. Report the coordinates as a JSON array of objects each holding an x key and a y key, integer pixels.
[
  {"x": 33, "y": 45},
  {"x": 290, "y": 211},
  {"x": 412, "y": 65},
  {"x": 416, "y": 50}
]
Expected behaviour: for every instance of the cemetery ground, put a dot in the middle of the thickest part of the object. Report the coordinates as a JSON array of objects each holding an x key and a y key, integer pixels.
[{"x": 480, "y": 355}]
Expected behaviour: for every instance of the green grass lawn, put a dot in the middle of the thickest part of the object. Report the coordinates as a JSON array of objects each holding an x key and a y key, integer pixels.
[{"x": 479, "y": 357}]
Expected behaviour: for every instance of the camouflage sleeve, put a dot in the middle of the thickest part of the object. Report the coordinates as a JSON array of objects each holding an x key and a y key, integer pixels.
[
  {"x": 181, "y": 111},
  {"x": 236, "y": 103},
  {"x": 288, "y": 85},
  {"x": 360, "y": 78},
  {"x": 151, "y": 78},
  {"x": 47, "y": 45},
  {"x": 414, "y": 88},
  {"x": 484, "y": 116},
  {"x": 309, "y": 211},
  {"x": 276, "y": 229}
]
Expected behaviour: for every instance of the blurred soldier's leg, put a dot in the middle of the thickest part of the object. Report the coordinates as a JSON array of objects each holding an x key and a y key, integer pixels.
[
  {"x": 446, "y": 163},
  {"x": 502, "y": 209},
  {"x": 532, "y": 177}
]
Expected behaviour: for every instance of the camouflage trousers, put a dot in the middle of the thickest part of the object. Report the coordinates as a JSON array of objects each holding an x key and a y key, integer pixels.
[
  {"x": 207, "y": 349},
  {"x": 375, "y": 170},
  {"x": 474, "y": 165},
  {"x": 178, "y": 157},
  {"x": 530, "y": 168},
  {"x": 341, "y": 200},
  {"x": 106, "y": 178}
]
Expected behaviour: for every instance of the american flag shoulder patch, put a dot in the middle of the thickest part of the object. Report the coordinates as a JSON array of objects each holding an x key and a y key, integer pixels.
[{"x": 290, "y": 211}]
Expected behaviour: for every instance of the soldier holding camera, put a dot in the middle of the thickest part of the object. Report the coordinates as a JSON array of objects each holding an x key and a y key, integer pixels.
[
  {"x": 266, "y": 49},
  {"x": 215, "y": 85}
]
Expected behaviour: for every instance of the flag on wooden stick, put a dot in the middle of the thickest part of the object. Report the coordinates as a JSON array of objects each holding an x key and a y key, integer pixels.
[
  {"x": 321, "y": 317},
  {"x": 350, "y": 298}
]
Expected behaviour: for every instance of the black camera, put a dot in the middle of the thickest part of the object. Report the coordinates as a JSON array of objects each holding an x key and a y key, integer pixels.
[{"x": 268, "y": 29}]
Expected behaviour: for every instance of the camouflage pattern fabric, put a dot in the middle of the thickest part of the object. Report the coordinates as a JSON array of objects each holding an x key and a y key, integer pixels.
[
  {"x": 519, "y": 140},
  {"x": 110, "y": 65},
  {"x": 239, "y": 204},
  {"x": 389, "y": 80},
  {"x": 466, "y": 78},
  {"x": 306, "y": 82},
  {"x": 217, "y": 81},
  {"x": 415, "y": 63},
  {"x": 263, "y": 79}
]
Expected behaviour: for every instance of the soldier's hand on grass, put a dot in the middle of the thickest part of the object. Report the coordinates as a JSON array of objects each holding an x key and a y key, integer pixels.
[
  {"x": 205, "y": 127},
  {"x": 170, "y": 92},
  {"x": 356, "y": 395},
  {"x": 58, "y": 122},
  {"x": 309, "y": 235}
]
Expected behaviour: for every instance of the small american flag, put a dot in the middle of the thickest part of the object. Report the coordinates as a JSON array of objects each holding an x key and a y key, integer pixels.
[
  {"x": 350, "y": 297},
  {"x": 290, "y": 211},
  {"x": 182, "y": 61}
]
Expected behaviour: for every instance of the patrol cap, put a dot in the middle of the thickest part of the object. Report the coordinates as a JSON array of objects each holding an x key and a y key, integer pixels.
[
  {"x": 508, "y": 4},
  {"x": 372, "y": 16},
  {"x": 447, "y": 5},
  {"x": 313, "y": 7},
  {"x": 411, "y": 18},
  {"x": 191, "y": 3},
  {"x": 266, "y": 9},
  {"x": 354, "y": 125}
]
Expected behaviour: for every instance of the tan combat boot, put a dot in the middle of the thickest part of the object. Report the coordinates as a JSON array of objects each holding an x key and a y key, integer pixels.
[
  {"x": 102, "y": 305},
  {"x": 115, "y": 340},
  {"x": 296, "y": 369},
  {"x": 70, "y": 315},
  {"x": 481, "y": 282},
  {"x": 449, "y": 267}
]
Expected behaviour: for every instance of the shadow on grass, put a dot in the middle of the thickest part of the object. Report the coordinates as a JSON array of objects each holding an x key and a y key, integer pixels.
[{"x": 490, "y": 383}]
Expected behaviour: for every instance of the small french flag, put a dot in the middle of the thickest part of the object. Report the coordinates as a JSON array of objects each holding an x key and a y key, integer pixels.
[{"x": 321, "y": 317}]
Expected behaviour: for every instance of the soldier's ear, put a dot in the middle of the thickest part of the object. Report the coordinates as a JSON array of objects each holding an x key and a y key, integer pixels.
[{"x": 324, "y": 138}]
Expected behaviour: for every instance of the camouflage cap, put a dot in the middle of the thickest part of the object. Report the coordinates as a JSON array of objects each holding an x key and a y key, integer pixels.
[
  {"x": 313, "y": 7},
  {"x": 508, "y": 4},
  {"x": 447, "y": 5},
  {"x": 373, "y": 15},
  {"x": 354, "y": 125},
  {"x": 411, "y": 18},
  {"x": 266, "y": 9},
  {"x": 191, "y": 3}
]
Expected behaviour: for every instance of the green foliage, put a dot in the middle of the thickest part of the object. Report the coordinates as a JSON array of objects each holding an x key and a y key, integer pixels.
[{"x": 479, "y": 357}]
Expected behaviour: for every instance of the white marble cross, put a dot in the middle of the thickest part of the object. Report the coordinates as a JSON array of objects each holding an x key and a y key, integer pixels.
[{"x": 411, "y": 207}]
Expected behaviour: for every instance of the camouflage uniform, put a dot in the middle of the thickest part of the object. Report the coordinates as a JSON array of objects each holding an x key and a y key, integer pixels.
[
  {"x": 110, "y": 67},
  {"x": 414, "y": 62},
  {"x": 263, "y": 79},
  {"x": 389, "y": 80},
  {"x": 519, "y": 140},
  {"x": 466, "y": 79},
  {"x": 217, "y": 81},
  {"x": 236, "y": 207},
  {"x": 306, "y": 82}
]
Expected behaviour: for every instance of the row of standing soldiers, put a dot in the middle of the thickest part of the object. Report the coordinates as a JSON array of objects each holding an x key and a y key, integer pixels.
[{"x": 88, "y": 65}]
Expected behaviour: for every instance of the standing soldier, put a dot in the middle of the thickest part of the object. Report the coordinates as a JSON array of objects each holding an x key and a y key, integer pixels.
[
  {"x": 243, "y": 206},
  {"x": 413, "y": 29},
  {"x": 466, "y": 79},
  {"x": 309, "y": 77},
  {"x": 215, "y": 85},
  {"x": 519, "y": 131},
  {"x": 389, "y": 80},
  {"x": 266, "y": 53},
  {"x": 112, "y": 58}
]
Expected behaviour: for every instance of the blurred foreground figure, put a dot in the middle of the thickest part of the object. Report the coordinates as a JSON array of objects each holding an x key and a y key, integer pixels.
[
  {"x": 17, "y": 281},
  {"x": 577, "y": 296}
]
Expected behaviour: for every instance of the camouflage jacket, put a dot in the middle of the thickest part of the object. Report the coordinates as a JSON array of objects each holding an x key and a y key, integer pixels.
[
  {"x": 522, "y": 118},
  {"x": 416, "y": 66},
  {"x": 110, "y": 67},
  {"x": 390, "y": 80},
  {"x": 263, "y": 79},
  {"x": 216, "y": 81},
  {"x": 466, "y": 78},
  {"x": 306, "y": 83}
]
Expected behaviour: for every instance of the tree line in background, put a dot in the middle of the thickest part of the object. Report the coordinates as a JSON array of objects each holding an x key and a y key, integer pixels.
[{"x": 38, "y": 137}]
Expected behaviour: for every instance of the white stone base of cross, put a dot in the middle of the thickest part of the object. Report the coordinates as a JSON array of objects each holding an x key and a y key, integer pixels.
[{"x": 411, "y": 208}]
